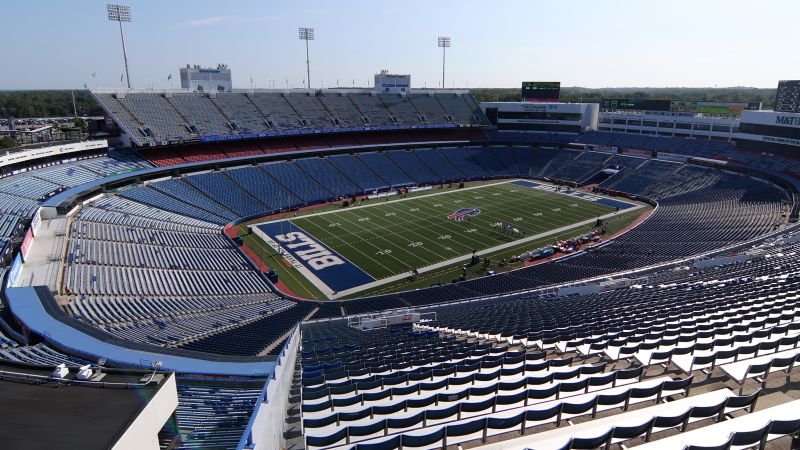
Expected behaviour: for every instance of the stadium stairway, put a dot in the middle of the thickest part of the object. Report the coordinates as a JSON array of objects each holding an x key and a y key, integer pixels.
[{"x": 293, "y": 435}]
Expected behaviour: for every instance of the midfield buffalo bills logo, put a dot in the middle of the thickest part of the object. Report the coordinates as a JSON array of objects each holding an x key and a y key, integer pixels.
[{"x": 463, "y": 213}]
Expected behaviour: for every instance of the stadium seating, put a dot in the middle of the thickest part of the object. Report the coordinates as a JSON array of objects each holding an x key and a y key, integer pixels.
[
  {"x": 449, "y": 381},
  {"x": 328, "y": 176},
  {"x": 297, "y": 181},
  {"x": 642, "y": 178},
  {"x": 689, "y": 195},
  {"x": 152, "y": 197},
  {"x": 201, "y": 114},
  {"x": 176, "y": 321},
  {"x": 39, "y": 354},
  {"x": 150, "y": 264},
  {"x": 129, "y": 266},
  {"x": 254, "y": 337},
  {"x": 116, "y": 210},
  {"x": 373, "y": 110},
  {"x": 408, "y": 162},
  {"x": 159, "y": 118},
  {"x": 462, "y": 108},
  {"x": 386, "y": 169},
  {"x": 356, "y": 171},
  {"x": 555, "y": 167},
  {"x": 490, "y": 163},
  {"x": 654, "y": 363},
  {"x": 402, "y": 110},
  {"x": 342, "y": 110},
  {"x": 243, "y": 114},
  {"x": 214, "y": 414},
  {"x": 218, "y": 186},
  {"x": 430, "y": 108},
  {"x": 260, "y": 185},
  {"x": 465, "y": 163},
  {"x": 439, "y": 165},
  {"x": 311, "y": 111},
  {"x": 582, "y": 166}
]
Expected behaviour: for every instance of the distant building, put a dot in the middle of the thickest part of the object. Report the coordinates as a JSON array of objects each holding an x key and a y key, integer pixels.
[
  {"x": 392, "y": 83},
  {"x": 548, "y": 117},
  {"x": 206, "y": 79}
]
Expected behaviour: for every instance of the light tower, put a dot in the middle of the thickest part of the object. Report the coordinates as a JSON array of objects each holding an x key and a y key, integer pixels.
[
  {"x": 307, "y": 34},
  {"x": 119, "y": 14},
  {"x": 444, "y": 43}
]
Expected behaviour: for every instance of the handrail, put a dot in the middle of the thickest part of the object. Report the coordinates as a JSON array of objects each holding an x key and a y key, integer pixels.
[{"x": 4, "y": 374}]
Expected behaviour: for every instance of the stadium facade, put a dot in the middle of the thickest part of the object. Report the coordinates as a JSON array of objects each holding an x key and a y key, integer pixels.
[{"x": 206, "y": 79}]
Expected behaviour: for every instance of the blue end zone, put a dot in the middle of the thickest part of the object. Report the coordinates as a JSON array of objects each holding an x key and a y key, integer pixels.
[
  {"x": 613, "y": 203},
  {"x": 329, "y": 266},
  {"x": 525, "y": 183},
  {"x": 581, "y": 195}
]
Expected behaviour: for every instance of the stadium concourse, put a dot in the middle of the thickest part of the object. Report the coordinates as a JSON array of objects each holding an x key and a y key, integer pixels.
[{"x": 681, "y": 331}]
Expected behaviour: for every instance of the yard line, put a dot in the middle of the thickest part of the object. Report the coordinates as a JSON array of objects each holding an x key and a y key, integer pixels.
[
  {"x": 359, "y": 251},
  {"x": 547, "y": 220},
  {"x": 405, "y": 266},
  {"x": 378, "y": 203},
  {"x": 428, "y": 221},
  {"x": 417, "y": 219},
  {"x": 361, "y": 230},
  {"x": 449, "y": 231},
  {"x": 548, "y": 200},
  {"x": 510, "y": 210},
  {"x": 489, "y": 250},
  {"x": 405, "y": 224},
  {"x": 547, "y": 204},
  {"x": 464, "y": 235},
  {"x": 447, "y": 245},
  {"x": 392, "y": 242},
  {"x": 399, "y": 235},
  {"x": 404, "y": 231},
  {"x": 506, "y": 202}
]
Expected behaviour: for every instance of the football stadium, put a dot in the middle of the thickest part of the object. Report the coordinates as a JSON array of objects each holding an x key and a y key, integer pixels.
[{"x": 400, "y": 267}]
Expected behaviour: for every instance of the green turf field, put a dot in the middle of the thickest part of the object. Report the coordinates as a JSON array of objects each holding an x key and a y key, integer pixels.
[{"x": 389, "y": 238}]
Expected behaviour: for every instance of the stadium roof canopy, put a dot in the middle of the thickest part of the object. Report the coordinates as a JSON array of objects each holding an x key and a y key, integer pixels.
[
  {"x": 37, "y": 310},
  {"x": 40, "y": 412}
]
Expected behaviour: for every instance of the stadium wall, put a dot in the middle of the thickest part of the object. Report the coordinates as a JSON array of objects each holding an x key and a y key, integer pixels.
[
  {"x": 142, "y": 433},
  {"x": 26, "y": 155},
  {"x": 266, "y": 426}
]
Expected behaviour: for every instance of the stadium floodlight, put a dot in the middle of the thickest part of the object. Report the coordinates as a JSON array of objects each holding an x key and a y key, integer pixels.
[
  {"x": 444, "y": 43},
  {"x": 119, "y": 14},
  {"x": 306, "y": 34}
]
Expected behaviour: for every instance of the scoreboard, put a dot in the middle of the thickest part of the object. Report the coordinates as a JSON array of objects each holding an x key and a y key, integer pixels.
[
  {"x": 645, "y": 104},
  {"x": 541, "y": 91},
  {"x": 787, "y": 98},
  {"x": 635, "y": 104}
]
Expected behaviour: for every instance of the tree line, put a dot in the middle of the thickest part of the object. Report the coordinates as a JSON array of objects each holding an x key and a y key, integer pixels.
[
  {"x": 577, "y": 94},
  {"x": 58, "y": 103}
]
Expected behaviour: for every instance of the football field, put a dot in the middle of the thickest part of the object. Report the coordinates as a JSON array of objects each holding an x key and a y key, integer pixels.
[{"x": 354, "y": 246}]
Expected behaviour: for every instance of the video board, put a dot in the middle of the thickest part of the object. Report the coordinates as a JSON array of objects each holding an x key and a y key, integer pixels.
[
  {"x": 541, "y": 91},
  {"x": 787, "y": 97},
  {"x": 716, "y": 108},
  {"x": 642, "y": 104}
]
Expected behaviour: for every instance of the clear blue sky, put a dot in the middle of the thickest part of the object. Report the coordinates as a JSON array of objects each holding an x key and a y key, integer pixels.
[{"x": 59, "y": 44}]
